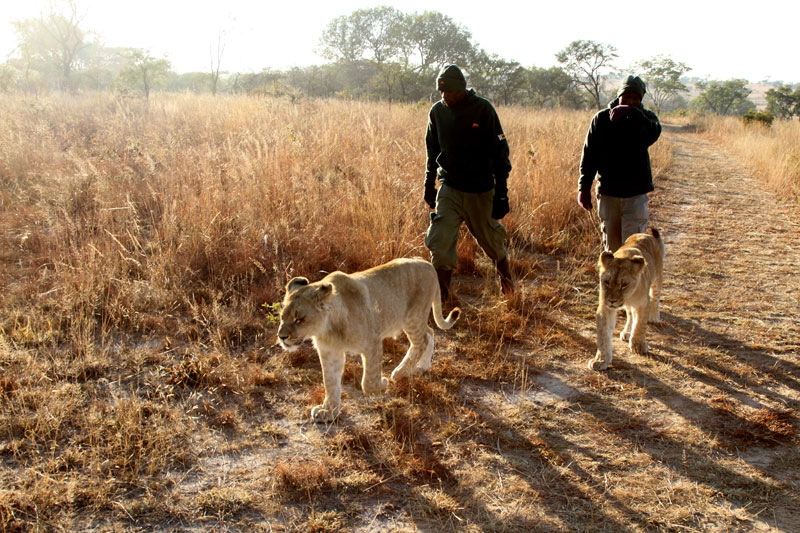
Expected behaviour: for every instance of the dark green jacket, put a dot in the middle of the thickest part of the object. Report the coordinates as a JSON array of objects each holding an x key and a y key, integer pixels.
[
  {"x": 466, "y": 146},
  {"x": 616, "y": 153}
]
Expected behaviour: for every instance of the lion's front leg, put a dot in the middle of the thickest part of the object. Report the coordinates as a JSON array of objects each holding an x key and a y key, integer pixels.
[
  {"x": 625, "y": 334},
  {"x": 332, "y": 368},
  {"x": 638, "y": 343},
  {"x": 606, "y": 318},
  {"x": 372, "y": 380}
]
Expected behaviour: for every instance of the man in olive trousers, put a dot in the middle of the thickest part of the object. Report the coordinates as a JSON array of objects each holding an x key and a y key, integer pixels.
[{"x": 468, "y": 153}]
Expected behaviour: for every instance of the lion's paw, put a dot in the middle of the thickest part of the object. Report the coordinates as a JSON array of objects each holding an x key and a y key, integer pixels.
[
  {"x": 399, "y": 373},
  {"x": 322, "y": 415},
  {"x": 655, "y": 318},
  {"x": 382, "y": 385},
  {"x": 639, "y": 347},
  {"x": 599, "y": 363},
  {"x": 625, "y": 336}
]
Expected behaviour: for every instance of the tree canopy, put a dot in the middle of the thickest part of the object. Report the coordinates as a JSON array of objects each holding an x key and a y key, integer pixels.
[
  {"x": 585, "y": 62},
  {"x": 373, "y": 53},
  {"x": 723, "y": 97},
  {"x": 663, "y": 77}
]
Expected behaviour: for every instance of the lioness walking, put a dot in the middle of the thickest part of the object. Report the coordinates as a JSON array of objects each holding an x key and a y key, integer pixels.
[
  {"x": 353, "y": 313},
  {"x": 631, "y": 278}
]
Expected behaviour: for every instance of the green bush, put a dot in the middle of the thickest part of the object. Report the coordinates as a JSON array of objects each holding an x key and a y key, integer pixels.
[{"x": 763, "y": 118}]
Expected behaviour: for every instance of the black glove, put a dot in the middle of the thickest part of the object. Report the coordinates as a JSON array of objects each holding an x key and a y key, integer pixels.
[
  {"x": 430, "y": 195},
  {"x": 500, "y": 207}
]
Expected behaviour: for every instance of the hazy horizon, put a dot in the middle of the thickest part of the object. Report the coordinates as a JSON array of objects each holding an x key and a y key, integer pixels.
[{"x": 257, "y": 36}]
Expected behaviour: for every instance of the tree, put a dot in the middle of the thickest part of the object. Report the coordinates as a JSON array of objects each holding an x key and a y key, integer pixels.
[
  {"x": 585, "y": 61},
  {"x": 436, "y": 40},
  {"x": 723, "y": 98},
  {"x": 500, "y": 80},
  {"x": 783, "y": 102},
  {"x": 143, "y": 71},
  {"x": 343, "y": 40},
  {"x": 551, "y": 87},
  {"x": 397, "y": 53},
  {"x": 51, "y": 44},
  {"x": 663, "y": 75},
  {"x": 381, "y": 29}
]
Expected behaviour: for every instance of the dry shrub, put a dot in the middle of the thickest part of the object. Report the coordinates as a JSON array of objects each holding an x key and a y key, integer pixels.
[{"x": 301, "y": 477}]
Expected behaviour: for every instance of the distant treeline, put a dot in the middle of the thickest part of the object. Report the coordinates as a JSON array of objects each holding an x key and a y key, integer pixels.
[{"x": 375, "y": 54}]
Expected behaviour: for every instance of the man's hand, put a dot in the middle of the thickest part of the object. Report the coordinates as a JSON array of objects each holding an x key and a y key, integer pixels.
[
  {"x": 621, "y": 111},
  {"x": 585, "y": 199},
  {"x": 430, "y": 196},
  {"x": 500, "y": 207}
]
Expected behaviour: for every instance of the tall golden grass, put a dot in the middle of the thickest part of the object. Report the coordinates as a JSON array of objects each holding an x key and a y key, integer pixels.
[
  {"x": 122, "y": 215},
  {"x": 772, "y": 153},
  {"x": 140, "y": 243}
]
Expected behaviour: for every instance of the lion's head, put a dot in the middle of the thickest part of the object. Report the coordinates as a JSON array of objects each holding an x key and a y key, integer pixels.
[
  {"x": 619, "y": 277},
  {"x": 304, "y": 312}
]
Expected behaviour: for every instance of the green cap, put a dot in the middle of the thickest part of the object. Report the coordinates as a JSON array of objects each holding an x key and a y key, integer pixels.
[
  {"x": 633, "y": 84},
  {"x": 451, "y": 79}
]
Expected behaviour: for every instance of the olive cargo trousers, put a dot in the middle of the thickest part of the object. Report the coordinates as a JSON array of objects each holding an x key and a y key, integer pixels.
[{"x": 454, "y": 207}]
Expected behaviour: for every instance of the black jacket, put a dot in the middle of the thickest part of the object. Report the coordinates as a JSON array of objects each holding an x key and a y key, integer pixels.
[
  {"x": 616, "y": 153},
  {"x": 466, "y": 146}
]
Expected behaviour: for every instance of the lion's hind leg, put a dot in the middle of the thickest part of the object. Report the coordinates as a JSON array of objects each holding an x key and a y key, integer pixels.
[
  {"x": 418, "y": 356},
  {"x": 654, "y": 314},
  {"x": 424, "y": 363}
]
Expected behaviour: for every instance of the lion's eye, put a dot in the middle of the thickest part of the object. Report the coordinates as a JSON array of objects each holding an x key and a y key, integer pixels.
[
  {"x": 299, "y": 320},
  {"x": 623, "y": 285}
]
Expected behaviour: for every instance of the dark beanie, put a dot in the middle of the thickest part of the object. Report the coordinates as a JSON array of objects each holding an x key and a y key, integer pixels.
[
  {"x": 633, "y": 84},
  {"x": 451, "y": 79}
]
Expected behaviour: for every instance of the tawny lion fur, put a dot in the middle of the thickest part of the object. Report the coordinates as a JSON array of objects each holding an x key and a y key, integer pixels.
[
  {"x": 353, "y": 313},
  {"x": 631, "y": 278}
]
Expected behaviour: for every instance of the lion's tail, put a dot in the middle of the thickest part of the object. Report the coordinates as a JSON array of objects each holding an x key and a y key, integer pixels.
[
  {"x": 658, "y": 237},
  {"x": 441, "y": 322}
]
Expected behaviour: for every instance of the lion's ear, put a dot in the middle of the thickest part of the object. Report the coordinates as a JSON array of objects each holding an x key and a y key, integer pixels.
[
  {"x": 324, "y": 290},
  {"x": 606, "y": 258},
  {"x": 638, "y": 263},
  {"x": 296, "y": 283}
]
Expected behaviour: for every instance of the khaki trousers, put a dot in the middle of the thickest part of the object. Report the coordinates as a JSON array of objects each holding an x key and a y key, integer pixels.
[
  {"x": 475, "y": 209},
  {"x": 620, "y": 218}
]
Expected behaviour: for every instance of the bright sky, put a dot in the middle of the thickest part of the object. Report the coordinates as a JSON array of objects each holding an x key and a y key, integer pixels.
[{"x": 719, "y": 40}]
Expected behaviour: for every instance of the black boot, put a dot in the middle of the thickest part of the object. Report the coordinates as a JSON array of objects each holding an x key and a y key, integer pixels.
[
  {"x": 506, "y": 278},
  {"x": 444, "y": 282}
]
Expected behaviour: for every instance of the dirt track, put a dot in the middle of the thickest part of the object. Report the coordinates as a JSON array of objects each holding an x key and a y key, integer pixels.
[{"x": 725, "y": 362}]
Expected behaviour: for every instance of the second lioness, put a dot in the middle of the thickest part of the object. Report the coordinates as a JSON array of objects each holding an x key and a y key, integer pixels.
[
  {"x": 353, "y": 313},
  {"x": 631, "y": 278}
]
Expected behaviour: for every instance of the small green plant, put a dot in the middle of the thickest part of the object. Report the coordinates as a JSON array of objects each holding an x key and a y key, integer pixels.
[{"x": 273, "y": 312}]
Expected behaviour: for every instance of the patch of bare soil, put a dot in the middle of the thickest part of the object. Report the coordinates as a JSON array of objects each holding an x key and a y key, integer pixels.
[{"x": 699, "y": 435}]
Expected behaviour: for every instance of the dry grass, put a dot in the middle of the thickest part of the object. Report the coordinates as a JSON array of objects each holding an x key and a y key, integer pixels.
[{"x": 142, "y": 252}]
